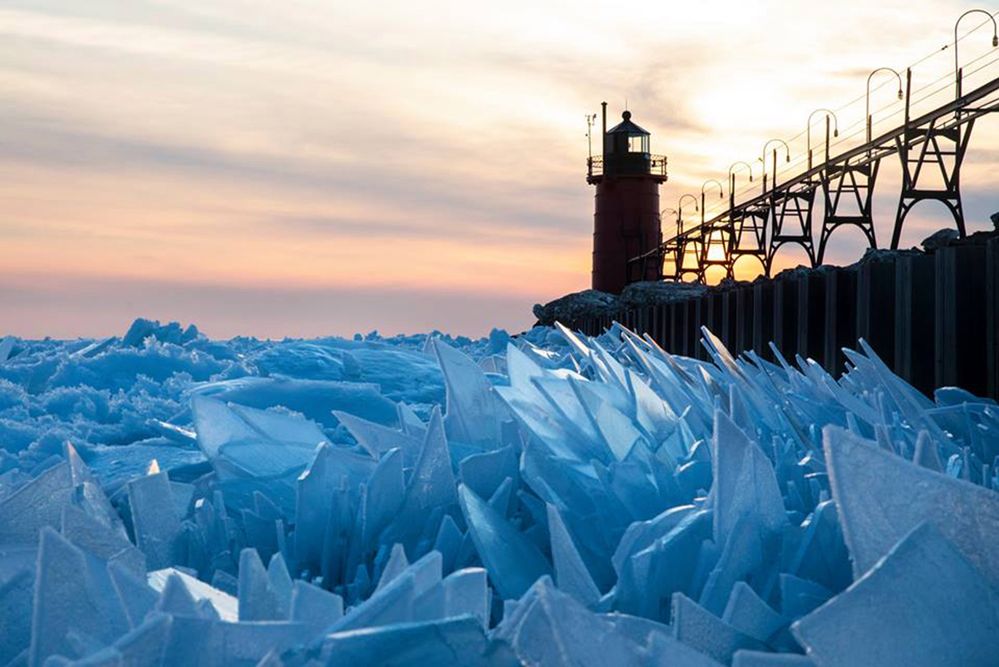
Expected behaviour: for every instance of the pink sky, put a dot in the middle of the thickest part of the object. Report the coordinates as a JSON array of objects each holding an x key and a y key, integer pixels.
[{"x": 311, "y": 168}]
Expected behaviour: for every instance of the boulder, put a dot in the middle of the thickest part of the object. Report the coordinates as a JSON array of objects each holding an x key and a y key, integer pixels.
[
  {"x": 653, "y": 292},
  {"x": 571, "y": 307},
  {"x": 939, "y": 239}
]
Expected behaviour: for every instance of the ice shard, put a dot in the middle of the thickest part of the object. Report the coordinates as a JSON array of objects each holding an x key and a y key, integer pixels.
[
  {"x": 700, "y": 629},
  {"x": 431, "y": 486},
  {"x": 551, "y": 628},
  {"x": 394, "y": 602},
  {"x": 377, "y": 439},
  {"x": 749, "y": 614},
  {"x": 474, "y": 413},
  {"x": 72, "y": 599},
  {"x": 226, "y": 606},
  {"x": 571, "y": 574},
  {"x": 512, "y": 561},
  {"x": 744, "y": 481},
  {"x": 451, "y": 642},
  {"x": 875, "y": 493},
  {"x": 923, "y": 603},
  {"x": 157, "y": 527}
]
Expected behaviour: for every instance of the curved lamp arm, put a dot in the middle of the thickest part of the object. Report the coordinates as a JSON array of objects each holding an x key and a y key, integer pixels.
[
  {"x": 735, "y": 165},
  {"x": 721, "y": 188},
  {"x": 787, "y": 151},
  {"x": 995, "y": 42}
]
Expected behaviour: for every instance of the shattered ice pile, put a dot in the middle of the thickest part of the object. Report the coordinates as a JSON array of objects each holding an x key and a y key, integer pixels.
[{"x": 548, "y": 499}]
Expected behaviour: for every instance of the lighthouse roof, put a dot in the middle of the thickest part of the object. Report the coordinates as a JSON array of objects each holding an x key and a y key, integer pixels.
[{"x": 627, "y": 127}]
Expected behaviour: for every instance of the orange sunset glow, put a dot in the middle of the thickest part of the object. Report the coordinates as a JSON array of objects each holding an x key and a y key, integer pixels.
[{"x": 310, "y": 168}]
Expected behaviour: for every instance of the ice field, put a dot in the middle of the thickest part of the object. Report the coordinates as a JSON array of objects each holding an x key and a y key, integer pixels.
[{"x": 547, "y": 499}]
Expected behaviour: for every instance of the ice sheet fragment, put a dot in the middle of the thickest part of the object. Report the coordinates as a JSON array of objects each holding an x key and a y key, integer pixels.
[
  {"x": 924, "y": 603},
  {"x": 72, "y": 597},
  {"x": 474, "y": 413},
  {"x": 744, "y": 481},
  {"x": 881, "y": 497},
  {"x": 698, "y": 628},
  {"x": 749, "y": 614},
  {"x": 548, "y": 627},
  {"x": 225, "y": 605},
  {"x": 571, "y": 574},
  {"x": 512, "y": 561},
  {"x": 452, "y": 642},
  {"x": 155, "y": 523}
]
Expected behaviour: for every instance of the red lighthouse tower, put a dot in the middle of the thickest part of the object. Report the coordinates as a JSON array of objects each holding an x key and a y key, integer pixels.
[{"x": 626, "y": 213}]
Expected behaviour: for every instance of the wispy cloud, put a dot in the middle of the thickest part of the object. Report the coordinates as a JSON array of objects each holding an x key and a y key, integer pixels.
[{"x": 395, "y": 148}]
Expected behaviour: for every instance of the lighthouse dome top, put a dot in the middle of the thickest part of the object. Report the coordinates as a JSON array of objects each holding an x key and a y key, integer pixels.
[{"x": 627, "y": 127}]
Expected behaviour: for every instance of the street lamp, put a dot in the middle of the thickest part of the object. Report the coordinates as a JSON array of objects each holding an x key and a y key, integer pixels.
[
  {"x": 731, "y": 179},
  {"x": 763, "y": 159},
  {"x": 675, "y": 214},
  {"x": 679, "y": 214},
  {"x": 808, "y": 132},
  {"x": 995, "y": 43},
  {"x": 867, "y": 97},
  {"x": 721, "y": 194}
]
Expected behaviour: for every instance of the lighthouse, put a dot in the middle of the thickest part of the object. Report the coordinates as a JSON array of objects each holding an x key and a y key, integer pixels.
[{"x": 626, "y": 209}]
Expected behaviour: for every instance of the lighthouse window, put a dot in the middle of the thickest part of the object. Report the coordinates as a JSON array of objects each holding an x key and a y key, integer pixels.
[{"x": 638, "y": 144}]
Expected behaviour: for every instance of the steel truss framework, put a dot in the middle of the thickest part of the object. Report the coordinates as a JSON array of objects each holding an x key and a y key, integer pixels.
[{"x": 931, "y": 149}]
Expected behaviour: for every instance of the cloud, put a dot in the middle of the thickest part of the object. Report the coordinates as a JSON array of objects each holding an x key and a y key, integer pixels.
[{"x": 436, "y": 146}]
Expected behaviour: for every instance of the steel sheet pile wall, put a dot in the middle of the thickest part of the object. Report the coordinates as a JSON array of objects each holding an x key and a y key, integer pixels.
[{"x": 933, "y": 318}]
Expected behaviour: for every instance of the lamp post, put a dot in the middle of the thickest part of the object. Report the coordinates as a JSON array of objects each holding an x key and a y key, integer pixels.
[
  {"x": 808, "y": 132},
  {"x": 721, "y": 194},
  {"x": 763, "y": 159},
  {"x": 957, "y": 63},
  {"x": 867, "y": 98},
  {"x": 731, "y": 179},
  {"x": 706, "y": 239},
  {"x": 663, "y": 247},
  {"x": 679, "y": 214},
  {"x": 675, "y": 214}
]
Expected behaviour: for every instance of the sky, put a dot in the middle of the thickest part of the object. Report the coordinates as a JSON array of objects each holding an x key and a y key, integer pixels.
[{"x": 312, "y": 167}]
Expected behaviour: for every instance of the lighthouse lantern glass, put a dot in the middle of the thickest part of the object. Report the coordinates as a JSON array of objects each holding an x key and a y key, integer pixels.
[{"x": 638, "y": 143}]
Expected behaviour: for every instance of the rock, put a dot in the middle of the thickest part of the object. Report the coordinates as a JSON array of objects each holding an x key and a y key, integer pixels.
[
  {"x": 799, "y": 271},
  {"x": 651, "y": 292},
  {"x": 877, "y": 255},
  {"x": 939, "y": 239},
  {"x": 573, "y": 306}
]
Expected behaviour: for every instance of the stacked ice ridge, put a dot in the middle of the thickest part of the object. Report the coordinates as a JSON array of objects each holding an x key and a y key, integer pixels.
[{"x": 545, "y": 500}]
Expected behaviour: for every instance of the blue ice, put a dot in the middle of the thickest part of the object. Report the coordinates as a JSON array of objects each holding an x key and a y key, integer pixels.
[{"x": 543, "y": 499}]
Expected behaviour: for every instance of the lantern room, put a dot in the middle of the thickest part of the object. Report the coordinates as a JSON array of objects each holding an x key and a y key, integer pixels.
[{"x": 626, "y": 148}]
